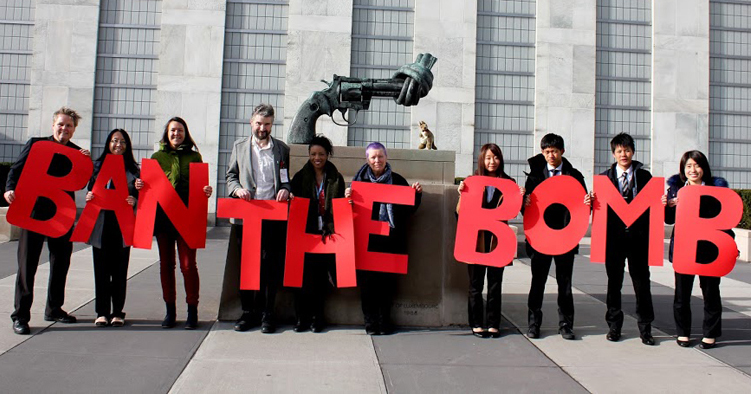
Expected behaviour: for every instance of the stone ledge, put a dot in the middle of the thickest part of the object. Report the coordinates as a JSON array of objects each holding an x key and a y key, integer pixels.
[
  {"x": 8, "y": 232},
  {"x": 743, "y": 240}
]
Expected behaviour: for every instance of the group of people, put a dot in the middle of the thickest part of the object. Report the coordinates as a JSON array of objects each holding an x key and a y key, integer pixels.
[
  {"x": 258, "y": 169},
  {"x": 110, "y": 253},
  {"x": 623, "y": 243}
]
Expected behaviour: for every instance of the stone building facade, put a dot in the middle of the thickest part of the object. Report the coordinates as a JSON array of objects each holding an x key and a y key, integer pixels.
[{"x": 675, "y": 74}]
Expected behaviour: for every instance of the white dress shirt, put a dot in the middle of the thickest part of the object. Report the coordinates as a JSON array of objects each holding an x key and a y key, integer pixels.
[{"x": 263, "y": 169}]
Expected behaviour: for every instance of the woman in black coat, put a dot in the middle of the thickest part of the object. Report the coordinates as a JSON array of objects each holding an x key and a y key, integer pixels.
[
  {"x": 377, "y": 288},
  {"x": 485, "y": 321},
  {"x": 694, "y": 170},
  {"x": 111, "y": 256},
  {"x": 319, "y": 181}
]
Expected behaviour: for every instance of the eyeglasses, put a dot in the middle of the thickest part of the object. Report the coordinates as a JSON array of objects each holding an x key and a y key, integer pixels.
[{"x": 120, "y": 142}]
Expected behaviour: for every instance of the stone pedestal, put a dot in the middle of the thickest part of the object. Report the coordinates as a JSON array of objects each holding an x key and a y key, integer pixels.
[
  {"x": 434, "y": 291},
  {"x": 743, "y": 240},
  {"x": 8, "y": 232}
]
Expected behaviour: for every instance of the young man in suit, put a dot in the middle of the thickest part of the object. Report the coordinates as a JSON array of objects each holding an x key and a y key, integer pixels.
[
  {"x": 630, "y": 243},
  {"x": 30, "y": 243},
  {"x": 549, "y": 163},
  {"x": 259, "y": 170}
]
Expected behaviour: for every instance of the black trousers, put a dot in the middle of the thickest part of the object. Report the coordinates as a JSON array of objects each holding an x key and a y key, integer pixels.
[
  {"x": 634, "y": 248},
  {"x": 309, "y": 300},
  {"x": 30, "y": 246},
  {"x": 110, "y": 270},
  {"x": 710, "y": 289},
  {"x": 273, "y": 235},
  {"x": 377, "y": 295},
  {"x": 490, "y": 316},
  {"x": 564, "y": 268}
]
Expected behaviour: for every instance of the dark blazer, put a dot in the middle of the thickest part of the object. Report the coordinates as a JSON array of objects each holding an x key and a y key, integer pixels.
[
  {"x": 60, "y": 166},
  {"x": 303, "y": 185},
  {"x": 95, "y": 239},
  {"x": 396, "y": 241},
  {"x": 640, "y": 228},
  {"x": 538, "y": 172},
  {"x": 708, "y": 208}
]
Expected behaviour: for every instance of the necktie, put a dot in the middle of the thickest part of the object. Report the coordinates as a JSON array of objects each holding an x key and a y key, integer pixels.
[
  {"x": 626, "y": 187},
  {"x": 554, "y": 172}
]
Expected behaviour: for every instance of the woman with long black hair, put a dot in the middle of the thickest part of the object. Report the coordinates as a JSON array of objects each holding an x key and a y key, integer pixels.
[
  {"x": 485, "y": 320},
  {"x": 111, "y": 256},
  {"x": 694, "y": 170}
]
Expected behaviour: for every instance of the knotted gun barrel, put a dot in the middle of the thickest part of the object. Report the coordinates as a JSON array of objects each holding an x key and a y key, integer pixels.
[{"x": 407, "y": 86}]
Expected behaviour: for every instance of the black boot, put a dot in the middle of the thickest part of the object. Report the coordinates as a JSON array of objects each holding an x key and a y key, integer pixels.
[
  {"x": 169, "y": 318},
  {"x": 191, "y": 323}
]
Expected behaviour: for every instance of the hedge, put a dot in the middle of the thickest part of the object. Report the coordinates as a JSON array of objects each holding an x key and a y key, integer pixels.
[{"x": 746, "y": 218}]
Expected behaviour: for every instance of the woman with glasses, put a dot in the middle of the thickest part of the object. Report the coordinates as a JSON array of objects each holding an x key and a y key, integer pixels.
[{"x": 111, "y": 256}]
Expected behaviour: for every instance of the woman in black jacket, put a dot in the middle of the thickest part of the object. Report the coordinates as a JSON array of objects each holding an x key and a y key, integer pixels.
[
  {"x": 694, "y": 170},
  {"x": 319, "y": 181},
  {"x": 377, "y": 288},
  {"x": 111, "y": 256},
  {"x": 486, "y": 321}
]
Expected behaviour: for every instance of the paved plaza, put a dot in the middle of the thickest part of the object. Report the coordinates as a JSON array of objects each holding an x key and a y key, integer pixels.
[{"x": 144, "y": 358}]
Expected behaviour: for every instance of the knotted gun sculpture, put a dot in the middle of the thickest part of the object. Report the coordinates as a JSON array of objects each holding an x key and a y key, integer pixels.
[{"x": 407, "y": 86}]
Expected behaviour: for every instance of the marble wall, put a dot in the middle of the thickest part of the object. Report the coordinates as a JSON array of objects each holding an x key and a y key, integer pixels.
[
  {"x": 565, "y": 77},
  {"x": 190, "y": 74},
  {"x": 680, "y": 82},
  {"x": 63, "y": 65},
  {"x": 319, "y": 40}
]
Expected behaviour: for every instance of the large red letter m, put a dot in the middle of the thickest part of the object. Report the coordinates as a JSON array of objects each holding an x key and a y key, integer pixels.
[{"x": 647, "y": 199}]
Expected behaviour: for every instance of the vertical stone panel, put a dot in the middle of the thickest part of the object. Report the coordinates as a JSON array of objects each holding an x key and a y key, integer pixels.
[
  {"x": 190, "y": 74},
  {"x": 448, "y": 30},
  {"x": 565, "y": 77},
  {"x": 680, "y": 82},
  {"x": 64, "y": 64},
  {"x": 318, "y": 46}
]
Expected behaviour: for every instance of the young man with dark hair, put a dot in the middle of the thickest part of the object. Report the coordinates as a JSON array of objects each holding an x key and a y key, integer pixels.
[
  {"x": 549, "y": 163},
  {"x": 630, "y": 243}
]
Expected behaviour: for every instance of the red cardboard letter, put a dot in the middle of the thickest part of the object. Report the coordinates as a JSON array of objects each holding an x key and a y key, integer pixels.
[
  {"x": 647, "y": 199},
  {"x": 473, "y": 218},
  {"x": 690, "y": 229},
  {"x": 35, "y": 182},
  {"x": 342, "y": 243},
  {"x": 189, "y": 221},
  {"x": 110, "y": 199},
  {"x": 364, "y": 194},
  {"x": 564, "y": 190},
  {"x": 252, "y": 213}
]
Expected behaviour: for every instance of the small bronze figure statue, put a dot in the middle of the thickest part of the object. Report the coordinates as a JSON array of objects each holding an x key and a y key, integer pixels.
[{"x": 427, "y": 139}]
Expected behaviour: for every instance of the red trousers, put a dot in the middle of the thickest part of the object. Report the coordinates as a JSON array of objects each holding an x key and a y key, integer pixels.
[{"x": 187, "y": 258}]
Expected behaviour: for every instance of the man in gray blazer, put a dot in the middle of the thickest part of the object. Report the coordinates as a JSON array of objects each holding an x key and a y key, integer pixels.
[{"x": 259, "y": 170}]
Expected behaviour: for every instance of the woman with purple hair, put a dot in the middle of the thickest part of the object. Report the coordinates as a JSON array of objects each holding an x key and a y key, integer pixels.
[{"x": 377, "y": 288}]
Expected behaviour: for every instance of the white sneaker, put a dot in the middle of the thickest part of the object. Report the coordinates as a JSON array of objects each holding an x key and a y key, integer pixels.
[
  {"x": 101, "y": 321},
  {"x": 117, "y": 322}
]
